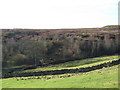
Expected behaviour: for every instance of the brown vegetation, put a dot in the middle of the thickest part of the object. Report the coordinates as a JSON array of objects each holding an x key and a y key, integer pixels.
[{"x": 50, "y": 46}]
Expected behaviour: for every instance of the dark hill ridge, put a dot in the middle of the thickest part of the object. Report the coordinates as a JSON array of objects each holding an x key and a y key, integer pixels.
[
  {"x": 67, "y": 29},
  {"x": 37, "y": 34}
]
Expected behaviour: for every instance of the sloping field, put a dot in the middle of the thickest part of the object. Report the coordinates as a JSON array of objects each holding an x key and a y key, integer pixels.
[
  {"x": 77, "y": 64},
  {"x": 102, "y": 78}
]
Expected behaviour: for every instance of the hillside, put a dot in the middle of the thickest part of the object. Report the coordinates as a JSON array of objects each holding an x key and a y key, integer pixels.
[
  {"x": 112, "y": 26},
  {"x": 34, "y": 48},
  {"x": 60, "y": 58},
  {"x": 103, "y": 78},
  {"x": 79, "y": 66}
]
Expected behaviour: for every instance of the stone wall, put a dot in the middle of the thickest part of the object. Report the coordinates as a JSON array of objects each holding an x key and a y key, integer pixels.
[{"x": 63, "y": 71}]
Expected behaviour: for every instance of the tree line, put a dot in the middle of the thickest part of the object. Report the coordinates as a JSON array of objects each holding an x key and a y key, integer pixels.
[{"x": 19, "y": 52}]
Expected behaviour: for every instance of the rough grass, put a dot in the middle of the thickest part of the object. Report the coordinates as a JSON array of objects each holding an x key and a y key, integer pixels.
[
  {"x": 0, "y": 84},
  {"x": 111, "y": 26},
  {"x": 77, "y": 64},
  {"x": 102, "y": 78}
]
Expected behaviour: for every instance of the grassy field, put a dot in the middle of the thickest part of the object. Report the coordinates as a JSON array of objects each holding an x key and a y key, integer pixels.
[
  {"x": 77, "y": 64},
  {"x": 102, "y": 78}
]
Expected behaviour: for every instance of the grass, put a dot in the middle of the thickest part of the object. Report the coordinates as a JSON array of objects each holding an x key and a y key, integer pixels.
[
  {"x": 102, "y": 78},
  {"x": 111, "y": 26},
  {"x": 76, "y": 64},
  {"x": 0, "y": 84}
]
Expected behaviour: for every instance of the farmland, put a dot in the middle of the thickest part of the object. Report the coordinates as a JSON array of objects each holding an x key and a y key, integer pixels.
[
  {"x": 90, "y": 65},
  {"x": 100, "y": 78},
  {"x": 77, "y": 63},
  {"x": 60, "y": 58},
  {"x": 103, "y": 78}
]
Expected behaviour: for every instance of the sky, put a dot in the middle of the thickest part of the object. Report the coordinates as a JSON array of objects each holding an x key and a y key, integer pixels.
[{"x": 52, "y": 14}]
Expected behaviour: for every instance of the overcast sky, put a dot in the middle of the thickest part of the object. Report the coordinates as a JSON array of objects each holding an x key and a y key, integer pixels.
[{"x": 45, "y": 14}]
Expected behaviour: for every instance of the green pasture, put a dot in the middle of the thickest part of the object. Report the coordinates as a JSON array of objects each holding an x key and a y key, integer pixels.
[
  {"x": 102, "y": 78},
  {"x": 77, "y": 64}
]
